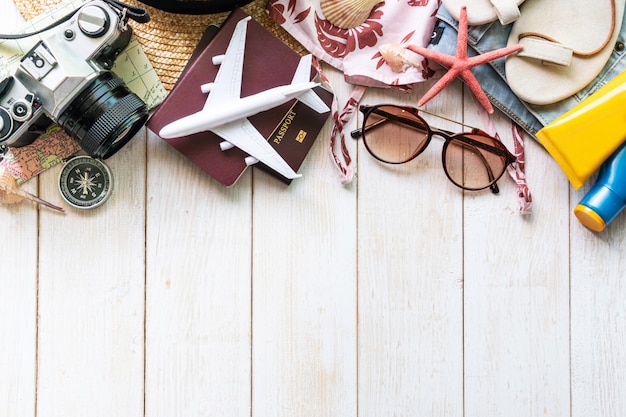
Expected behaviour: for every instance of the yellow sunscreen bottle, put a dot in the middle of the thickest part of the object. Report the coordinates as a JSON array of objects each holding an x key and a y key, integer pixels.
[{"x": 586, "y": 136}]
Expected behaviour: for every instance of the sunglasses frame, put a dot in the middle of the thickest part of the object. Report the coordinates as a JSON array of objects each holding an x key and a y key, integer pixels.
[{"x": 448, "y": 137}]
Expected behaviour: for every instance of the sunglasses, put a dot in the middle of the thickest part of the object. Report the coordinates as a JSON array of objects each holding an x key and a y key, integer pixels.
[{"x": 396, "y": 134}]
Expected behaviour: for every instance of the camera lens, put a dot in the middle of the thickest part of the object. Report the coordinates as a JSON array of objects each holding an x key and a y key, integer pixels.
[
  {"x": 104, "y": 117},
  {"x": 6, "y": 123}
]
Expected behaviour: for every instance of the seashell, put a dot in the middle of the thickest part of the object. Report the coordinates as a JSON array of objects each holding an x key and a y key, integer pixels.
[
  {"x": 10, "y": 193},
  {"x": 395, "y": 55},
  {"x": 347, "y": 14}
]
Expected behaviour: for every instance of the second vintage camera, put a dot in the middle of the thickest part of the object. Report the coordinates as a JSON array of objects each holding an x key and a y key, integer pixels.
[{"x": 66, "y": 79}]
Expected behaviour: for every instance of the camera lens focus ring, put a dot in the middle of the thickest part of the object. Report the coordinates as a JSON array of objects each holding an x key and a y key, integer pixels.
[
  {"x": 97, "y": 140},
  {"x": 104, "y": 116}
]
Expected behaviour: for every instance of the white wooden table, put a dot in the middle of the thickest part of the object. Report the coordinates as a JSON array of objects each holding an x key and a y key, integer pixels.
[{"x": 397, "y": 295}]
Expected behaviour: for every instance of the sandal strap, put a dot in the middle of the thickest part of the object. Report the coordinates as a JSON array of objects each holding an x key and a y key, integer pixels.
[
  {"x": 551, "y": 51},
  {"x": 506, "y": 10},
  {"x": 546, "y": 51}
]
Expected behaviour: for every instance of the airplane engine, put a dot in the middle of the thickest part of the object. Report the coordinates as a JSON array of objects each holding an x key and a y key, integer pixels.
[
  {"x": 225, "y": 145},
  {"x": 251, "y": 160}
]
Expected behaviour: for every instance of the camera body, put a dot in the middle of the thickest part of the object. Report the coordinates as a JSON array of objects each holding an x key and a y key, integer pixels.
[{"x": 66, "y": 79}]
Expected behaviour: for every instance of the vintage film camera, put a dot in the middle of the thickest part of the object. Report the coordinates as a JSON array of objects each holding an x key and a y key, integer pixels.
[{"x": 66, "y": 78}]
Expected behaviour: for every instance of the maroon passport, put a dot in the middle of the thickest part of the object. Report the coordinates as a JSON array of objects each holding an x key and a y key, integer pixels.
[{"x": 290, "y": 128}]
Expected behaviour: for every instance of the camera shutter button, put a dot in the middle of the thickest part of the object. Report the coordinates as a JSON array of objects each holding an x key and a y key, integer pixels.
[{"x": 93, "y": 21}]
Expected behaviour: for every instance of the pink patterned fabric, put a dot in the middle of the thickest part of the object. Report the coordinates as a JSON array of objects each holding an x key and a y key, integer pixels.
[
  {"x": 355, "y": 51},
  {"x": 518, "y": 171}
]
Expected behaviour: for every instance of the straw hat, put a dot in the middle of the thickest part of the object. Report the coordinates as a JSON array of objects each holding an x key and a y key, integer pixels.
[{"x": 169, "y": 39}]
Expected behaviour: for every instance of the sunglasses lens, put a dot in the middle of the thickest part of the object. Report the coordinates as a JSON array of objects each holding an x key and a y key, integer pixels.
[
  {"x": 474, "y": 162},
  {"x": 393, "y": 134}
]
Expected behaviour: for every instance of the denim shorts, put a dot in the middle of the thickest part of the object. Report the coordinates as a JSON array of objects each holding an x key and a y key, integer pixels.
[{"x": 492, "y": 77}]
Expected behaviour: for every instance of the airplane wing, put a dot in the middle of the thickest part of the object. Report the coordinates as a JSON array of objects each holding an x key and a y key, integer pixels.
[
  {"x": 303, "y": 75},
  {"x": 227, "y": 84},
  {"x": 246, "y": 137}
]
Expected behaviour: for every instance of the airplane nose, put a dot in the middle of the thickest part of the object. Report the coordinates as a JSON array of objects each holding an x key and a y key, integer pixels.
[
  {"x": 174, "y": 129},
  {"x": 168, "y": 132}
]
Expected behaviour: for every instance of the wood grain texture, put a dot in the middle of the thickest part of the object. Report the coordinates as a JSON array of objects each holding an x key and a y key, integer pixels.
[
  {"x": 304, "y": 291},
  {"x": 397, "y": 295},
  {"x": 18, "y": 308},
  {"x": 91, "y": 297},
  {"x": 517, "y": 292},
  {"x": 598, "y": 336},
  {"x": 410, "y": 281},
  {"x": 198, "y": 289},
  {"x": 18, "y": 292}
]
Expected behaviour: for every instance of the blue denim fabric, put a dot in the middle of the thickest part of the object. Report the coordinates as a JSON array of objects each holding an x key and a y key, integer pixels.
[{"x": 492, "y": 77}]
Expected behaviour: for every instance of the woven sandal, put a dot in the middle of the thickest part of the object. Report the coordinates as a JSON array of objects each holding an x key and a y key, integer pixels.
[
  {"x": 480, "y": 12},
  {"x": 566, "y": 45}
]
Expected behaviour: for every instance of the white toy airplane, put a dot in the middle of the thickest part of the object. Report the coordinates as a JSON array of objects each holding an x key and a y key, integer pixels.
[{"x": 225, "y": 112}]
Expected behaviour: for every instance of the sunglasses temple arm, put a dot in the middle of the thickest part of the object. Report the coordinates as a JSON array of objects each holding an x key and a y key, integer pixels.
[
  {"x": 471, "y": 143},
  {"x": 496, "y": 151},
  {"x": 494, "y": 186},
  {"x": 411, "y": 123},
  {"x": 478, "y": 145},
  {"x": 357, "y": 133},
  {"x": 492, "y": 178}
]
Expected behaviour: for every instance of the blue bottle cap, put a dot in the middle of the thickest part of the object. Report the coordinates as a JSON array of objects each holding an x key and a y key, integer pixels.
[{"x": 599, "y": 207}]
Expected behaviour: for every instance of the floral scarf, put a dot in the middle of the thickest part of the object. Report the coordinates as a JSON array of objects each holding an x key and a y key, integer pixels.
[{"x": 355, "y": 51}]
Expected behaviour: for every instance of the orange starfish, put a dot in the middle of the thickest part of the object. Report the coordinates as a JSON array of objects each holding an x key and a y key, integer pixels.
[{"x": 461, "y": 64}]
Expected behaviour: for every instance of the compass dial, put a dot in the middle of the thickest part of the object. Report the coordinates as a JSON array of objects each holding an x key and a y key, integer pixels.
[{"x": 85, "y": 182}]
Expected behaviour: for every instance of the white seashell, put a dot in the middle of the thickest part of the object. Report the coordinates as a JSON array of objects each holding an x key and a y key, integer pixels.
[
  {"x": 347, "y": 14},
  {"x": 395, "y": 55}
]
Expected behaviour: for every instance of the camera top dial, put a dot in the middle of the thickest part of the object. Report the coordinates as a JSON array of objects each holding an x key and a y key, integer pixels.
[{"x": 93, "y": 21}]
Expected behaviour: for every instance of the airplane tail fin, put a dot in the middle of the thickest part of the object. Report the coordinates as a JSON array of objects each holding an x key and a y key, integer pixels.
[{"x": 303, "y": 75}]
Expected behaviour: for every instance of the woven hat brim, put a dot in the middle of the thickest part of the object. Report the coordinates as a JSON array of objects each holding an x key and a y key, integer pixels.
[{"x": 169, "y": 39}]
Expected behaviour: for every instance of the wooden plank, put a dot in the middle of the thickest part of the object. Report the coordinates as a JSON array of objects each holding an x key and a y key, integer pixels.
[
  {"x": 598, "y": 335},
  {"x": 91, "y": 297},
  {"x": 18, "y": 307},
  {"x": 410, "y": 247},
  {"x": 198, "y": 297},
  {"x": 18, "y": 290},
  {"x": 516, "y": 308},
  {"x": 304, "y": 290}
]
